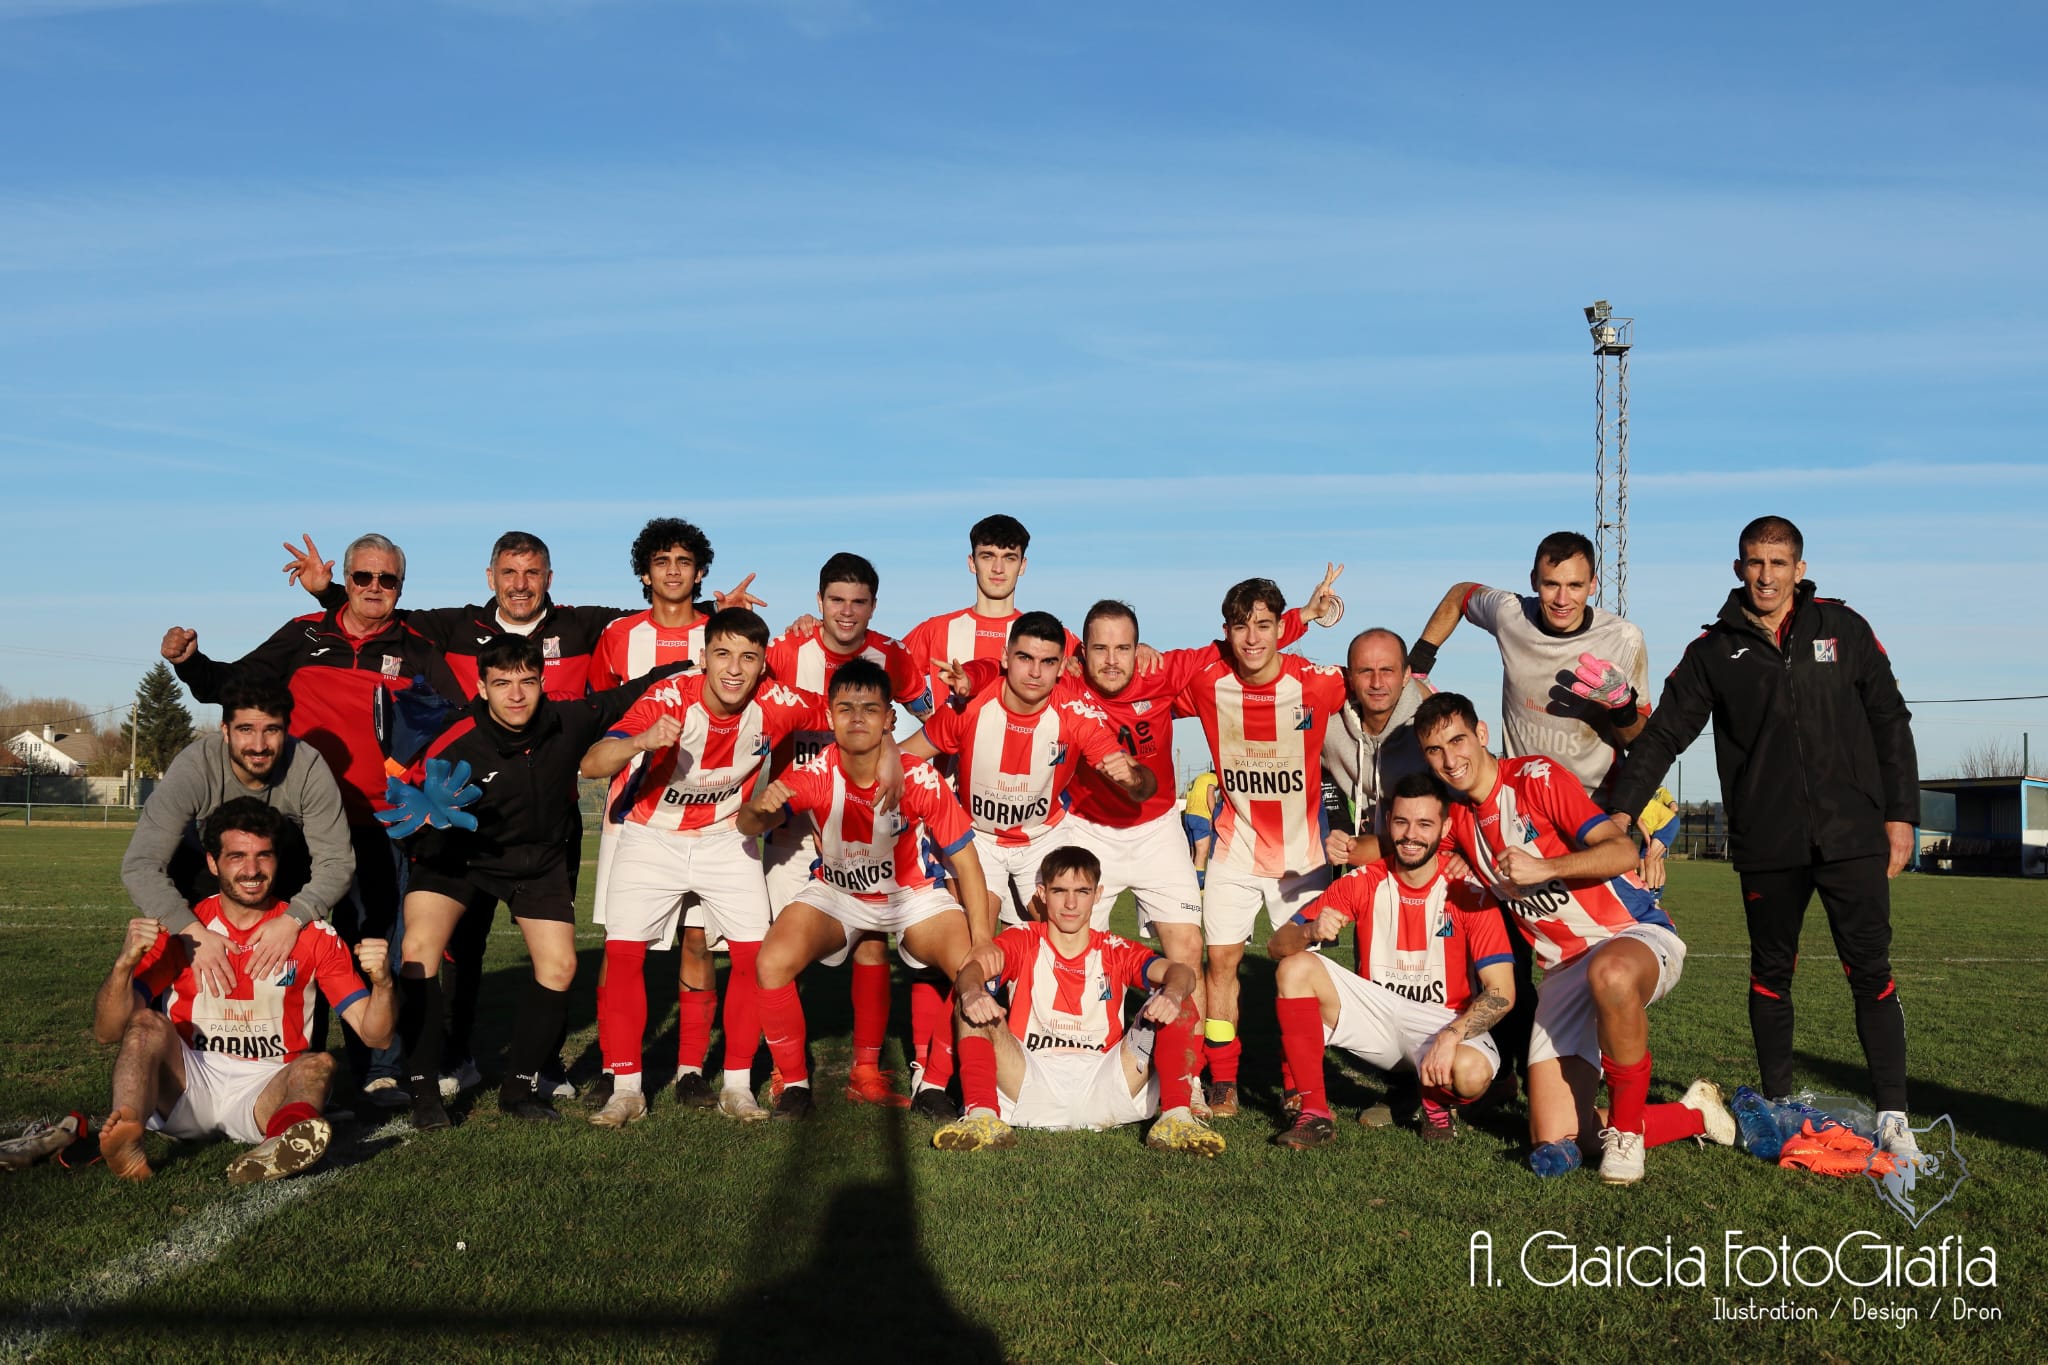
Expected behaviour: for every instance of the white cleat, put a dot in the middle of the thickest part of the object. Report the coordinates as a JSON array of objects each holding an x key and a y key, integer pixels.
[
  {"x": 1706, "y": 1097},
  {"x": 741, "y": 1105},
  {"x": 624, "y": 1107},
  {"x": 1621, "y": 1157},
  {"x": 296, "y": 1148},
  {"x": 1894, "y": 1137}
]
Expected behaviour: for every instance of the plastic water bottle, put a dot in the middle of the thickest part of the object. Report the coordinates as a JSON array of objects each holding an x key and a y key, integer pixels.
[
  {"x": 1757, "y": 1119},
  {"x": 1555, "y": 1159}
]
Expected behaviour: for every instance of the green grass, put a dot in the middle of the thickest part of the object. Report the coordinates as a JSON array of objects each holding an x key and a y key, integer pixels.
[{"x": 849, "y": 1238}]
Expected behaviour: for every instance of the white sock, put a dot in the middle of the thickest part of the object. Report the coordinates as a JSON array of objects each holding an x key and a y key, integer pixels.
[
  {"x": 683, "y": 1071},
  {"x": 628, "y": 1084},
  {"x": 804, "y": 1084},
  {"x": 739, "y": 1080}
]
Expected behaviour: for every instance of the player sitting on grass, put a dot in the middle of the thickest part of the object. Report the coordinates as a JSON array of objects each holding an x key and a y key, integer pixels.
[
  {"x": 1607, "y": 949},
  {"x": 870, "y": 876},
  {"x": 1059, "y": 1056},
  {"x": 233, "y": 1065},
  {"x": 1435, "y": 972}
]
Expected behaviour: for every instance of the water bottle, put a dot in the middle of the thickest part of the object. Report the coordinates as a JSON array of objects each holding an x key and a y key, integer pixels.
[{"x": 1555, "y": 1158}]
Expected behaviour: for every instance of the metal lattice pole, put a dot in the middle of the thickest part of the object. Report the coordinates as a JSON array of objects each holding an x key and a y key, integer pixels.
[
  {"x": 1620, "y": 607},
  {"x": 1599, "y": 470}
]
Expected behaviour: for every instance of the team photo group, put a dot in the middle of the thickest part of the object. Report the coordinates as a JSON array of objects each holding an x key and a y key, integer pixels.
[{"x": 959, "y": 808}]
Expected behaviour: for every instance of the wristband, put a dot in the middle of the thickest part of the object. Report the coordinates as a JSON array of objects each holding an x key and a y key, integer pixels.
[{"x": 1422, "y": 657}]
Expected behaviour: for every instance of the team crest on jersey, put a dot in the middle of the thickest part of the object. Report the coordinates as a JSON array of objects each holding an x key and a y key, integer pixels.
[
  {"x": 1056, "y": 754},
  {"x": 392, "y": 663},
  {"x": 551, "y": 647},
  {"x": 1304, "y": 717},
  {"x": 1824, "y": 651},
  {"x": 761, "y": 745},
  {"x": 1141, "y": 707},
  {"x": 290, "y": 973}
]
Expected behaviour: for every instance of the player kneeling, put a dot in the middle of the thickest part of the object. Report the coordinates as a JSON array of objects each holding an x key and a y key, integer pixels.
[
  {"x": 1059, "y": 1056},
  {"x": 870, "y": 876},
  {"x": 232, "y": 1065},
  {"x": 1435, "y": 972}
]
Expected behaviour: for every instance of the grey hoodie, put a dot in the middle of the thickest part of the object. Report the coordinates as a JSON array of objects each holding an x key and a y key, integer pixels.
[
  {"x": 199, "y": 781},
  {"x": 1362, "y": 768}
]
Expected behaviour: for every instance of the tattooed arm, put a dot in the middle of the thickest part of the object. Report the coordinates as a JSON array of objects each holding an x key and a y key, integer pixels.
[{"x": 1495, "y": 997}]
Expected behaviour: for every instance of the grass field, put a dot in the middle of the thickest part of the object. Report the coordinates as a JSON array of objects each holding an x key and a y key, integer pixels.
[{"x": 850, "y": 1239}]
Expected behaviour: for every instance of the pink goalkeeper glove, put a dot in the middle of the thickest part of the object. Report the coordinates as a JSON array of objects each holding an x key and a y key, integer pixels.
[{"x": 1601, "y": 682}]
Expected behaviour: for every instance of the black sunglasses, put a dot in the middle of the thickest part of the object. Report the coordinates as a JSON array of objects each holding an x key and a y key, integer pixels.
[{"x": 363, "y": 578}]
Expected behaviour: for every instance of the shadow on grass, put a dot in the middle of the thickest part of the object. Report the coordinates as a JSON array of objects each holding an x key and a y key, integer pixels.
[{"x": 1999, "y": 1117}]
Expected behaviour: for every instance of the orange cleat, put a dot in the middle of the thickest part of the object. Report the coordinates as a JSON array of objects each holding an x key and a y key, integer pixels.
[
  {"x": 121, "y": 1145},
  {"x": 1836, "y": 1137},
  {"x": 1804, "y": 1153},
  {"x": 869, "y": 1084}
]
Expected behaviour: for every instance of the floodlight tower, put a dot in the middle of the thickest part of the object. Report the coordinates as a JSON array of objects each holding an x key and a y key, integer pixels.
[{"x": 1612, "y": 337}]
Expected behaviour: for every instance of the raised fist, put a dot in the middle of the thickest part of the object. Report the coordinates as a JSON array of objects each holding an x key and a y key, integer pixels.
[{"x": 180, "y": 644}]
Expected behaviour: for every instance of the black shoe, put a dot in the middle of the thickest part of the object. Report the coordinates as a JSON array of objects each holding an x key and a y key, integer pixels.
[
  {"x": 528, "y": 1106},
  {"x": 934, "y": 1103},
  {"x": 427, "y": 1113},
  {"x": 600, "y": 1092},
  {"x": 694, "y": 1092},
  {"x": 795, "y": 1103},
  {"x": 1308, "y": 1130}
]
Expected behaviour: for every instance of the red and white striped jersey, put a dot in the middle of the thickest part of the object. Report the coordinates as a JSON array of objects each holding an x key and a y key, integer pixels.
[
  {"x": 1539, "y": 806},
  {"x": 867, "y": 856},
  {"x": 701, "y": 781},
  {"x": 634, "y": 646},
  {"x": 1015, "y": 769},
  {"x": 260, "y": 1021},
  {"x": 962, "y": 635},
  {"x": 1267, "y": 744},
  {"x": 1071, "y": 1002},
  {"x": 806, "y": 662},
  {"x": 1426, "y": 944}
]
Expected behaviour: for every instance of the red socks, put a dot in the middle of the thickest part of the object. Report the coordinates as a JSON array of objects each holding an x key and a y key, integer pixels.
[
  {"x": 931, "y": 1030},
  {"x": 782, "y": 1019},
  {"x": 694, "y": 1011},
  {"x": 1175, "y": 1057},
  {"x": 622, "y": 1016},
  {"x": 287, "y": 1115},
  {"x": 1664, "y": 1123},
  {"x": 742, "y": 1006},
  {"x": 1628, "y": 1089},
  {"x": 1301, "y": 1042},
  {"x": 1223, "y": 1059},
  {"x": 978, "y": 1073},
  {"x": 870, "y": 1012}
]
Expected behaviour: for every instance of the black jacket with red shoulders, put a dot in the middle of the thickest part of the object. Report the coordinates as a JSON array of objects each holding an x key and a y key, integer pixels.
[
  {"x": 1813, "y": 740},
  {"x": 344, "y": 694},
  {"x": 567, "y": 637}
]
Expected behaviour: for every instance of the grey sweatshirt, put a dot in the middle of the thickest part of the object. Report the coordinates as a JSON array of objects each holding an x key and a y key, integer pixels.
[
  {"x": 201, "y": 779},
  {"x": 1364, "y": 767}
]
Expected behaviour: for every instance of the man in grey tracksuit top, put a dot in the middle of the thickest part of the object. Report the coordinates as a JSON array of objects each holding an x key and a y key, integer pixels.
[
  {"x": 1370, "y": 745},
  {"x": 164, "y": 869}
]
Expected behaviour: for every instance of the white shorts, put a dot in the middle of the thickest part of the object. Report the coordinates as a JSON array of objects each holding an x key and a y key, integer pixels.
[
  {"x": 1150, "y": 861},
  {"x": 220, "y": 1097},
  {"x": 892, "y": 916},
  {"x": 1068, "y": 1088},
  {"x": 1012, "y": 869},
  {"x": 655, "y": 869},
  {"x": 1231, "y": 901},
  {"x": 1566, "y": 1024},
  {"x": 788, "y": 860},
  {"x": 1387, "y": 1029}
]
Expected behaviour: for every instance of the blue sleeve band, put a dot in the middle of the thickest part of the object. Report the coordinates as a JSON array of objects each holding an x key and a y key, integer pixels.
[
  {"x": 352, "y": 998},
  {"x": 960, "y": 843},
  {"x": 616, "y": 734},
  {"x": 1496, "y": 959},
  {"x": 1596, "y": 820}
]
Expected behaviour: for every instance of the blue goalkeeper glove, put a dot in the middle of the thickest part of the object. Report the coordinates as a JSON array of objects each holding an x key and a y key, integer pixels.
[{"x": 437, "y": 802}]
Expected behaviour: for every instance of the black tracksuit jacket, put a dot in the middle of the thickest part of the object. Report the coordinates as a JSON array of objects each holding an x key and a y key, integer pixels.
[{"x": 1814, "y": 742}]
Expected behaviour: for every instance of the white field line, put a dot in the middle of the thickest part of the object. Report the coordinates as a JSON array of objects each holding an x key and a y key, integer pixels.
[{"x": 195, "y": 1242}]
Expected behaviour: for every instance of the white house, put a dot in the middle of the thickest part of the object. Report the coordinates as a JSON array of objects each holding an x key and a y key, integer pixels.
[{"x": 64, "y": 754}]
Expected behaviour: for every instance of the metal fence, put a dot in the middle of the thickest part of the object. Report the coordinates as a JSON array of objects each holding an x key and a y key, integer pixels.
[{"x": 64, "y": 813}]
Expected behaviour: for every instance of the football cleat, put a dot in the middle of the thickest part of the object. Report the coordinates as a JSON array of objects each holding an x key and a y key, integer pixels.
[
  {"x": 1198, "y": 1102},
  {"x": 869, "y": 1084},
  {"x": 461, "y": 1077},
  {"x": 983, "y": 1128},
  {"x": 1803, "y": 1153},
  {"x": 1705, "y": 1096},
  {"x": 1621, "y": 1157},
  {"x": 529, "y": 1107},
  {"x": 39, "y": 1140},
  {"x": 1223, "y": 1099},
  {"x": 1436, "y": 1123},
  {"x": 1290, "y": 1104},
  {"x": 624, "y": 1107},
  {"x": 600, "y": 1092},
  {"x": 427, "y": 1113},
  {"x": 934, "y": 1103},
  {"x": 795, "y": 1104},
  {"x": 740, "y": 1104},
  {"x": 386, "y": 1093},
  {"x": 1178, "y": 1130},
  {"x": 292, "y": 1151},
  {"x": 1898, "y": 1142},
  {"x": 694, "y": 1092},
  {"x": 1309, "y": 1130}
]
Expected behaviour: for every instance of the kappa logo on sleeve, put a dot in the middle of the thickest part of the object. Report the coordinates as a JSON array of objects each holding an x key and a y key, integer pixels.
[{"x": 1824, "y": 651}]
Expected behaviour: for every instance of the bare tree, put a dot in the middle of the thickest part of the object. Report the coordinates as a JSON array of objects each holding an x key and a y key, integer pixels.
[{"x": 1990, "y": 758}]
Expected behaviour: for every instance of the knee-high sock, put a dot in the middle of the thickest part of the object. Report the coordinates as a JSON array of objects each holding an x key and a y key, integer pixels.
[
  {"x": 1301, "y": 1042},
  {"x": 695, "y": 1010},
  {"x": 1664, "y": 1123},
  {"x": 623, "y": 1018},
  {"x": 1222, "y": 1055},
  {"x": 1177, "y": 1055},
  {"x": 742, "y": 1007},
  {"x": 929, "y": 1018},
  {"x": 421, "y": 1015},
  {"x": 1628, "y": 1090},
  {"x": 782, "y": 1020},
  {"x": 870, "y": 1012},
  {"x": 533, "y": 1037},
  {"x": 978, "y": 1073}
]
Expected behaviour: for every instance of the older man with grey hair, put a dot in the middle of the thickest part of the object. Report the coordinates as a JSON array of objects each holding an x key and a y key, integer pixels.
[
  {"x": 347, "y": 668},
  {"x": 1370, "y": 745}
]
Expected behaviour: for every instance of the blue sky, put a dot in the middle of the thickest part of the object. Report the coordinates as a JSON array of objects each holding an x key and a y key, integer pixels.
[{"x": 1196, "y": 292}]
